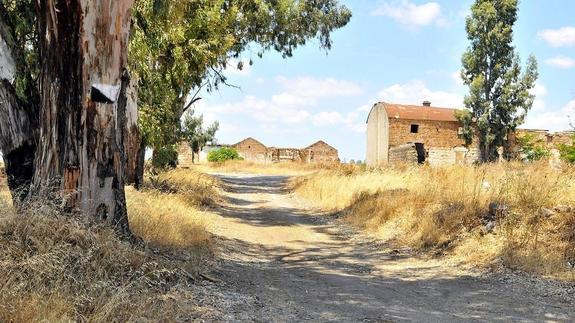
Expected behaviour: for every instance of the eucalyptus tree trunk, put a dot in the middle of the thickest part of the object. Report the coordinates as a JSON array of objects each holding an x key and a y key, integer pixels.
[
  {"x": 83, "y": 84},
  {"x": 18, "y": 120},
  {"x": 133, "y": 145}
]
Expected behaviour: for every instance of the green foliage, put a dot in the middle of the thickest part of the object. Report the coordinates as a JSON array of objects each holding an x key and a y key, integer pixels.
[
  {"x": 499, "y": 93},
  {"x": 178, "y": 47},
  {"x": 531, "y": 148},
  {"x": 20, "y": 16},
  {"x": 195, "y": 134},
  {"x": 568, "y": 151},
  {"x": 165, "y": 157},
  {"x": 466, "y": 118},
  {"x": 223, "y": 154}
]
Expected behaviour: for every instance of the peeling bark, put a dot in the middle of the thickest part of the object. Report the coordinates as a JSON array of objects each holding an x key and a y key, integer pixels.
[
  {"x": 81, "y": 154},
  {"x": 18, "y": 121}
]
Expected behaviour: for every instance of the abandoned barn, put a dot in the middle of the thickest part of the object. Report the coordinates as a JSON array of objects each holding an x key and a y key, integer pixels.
[
  {"x": 426, "y": 134},
  {"x": 253, "y": 150}
]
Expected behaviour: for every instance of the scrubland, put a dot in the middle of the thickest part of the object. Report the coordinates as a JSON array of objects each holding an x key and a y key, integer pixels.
[
  {"x": 520, "y": 216},
  {"x": 61, "y": 268}
]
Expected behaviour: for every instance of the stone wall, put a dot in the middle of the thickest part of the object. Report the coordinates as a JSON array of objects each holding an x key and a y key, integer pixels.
[
  {"x": 320, "y": 152},
  {"x": 252, "y": 150},
  {"x": 185, "y": 155},
  {"x": 403, "y": 154},
  {"x": 451, "y": 156},
  {"x": 443, "y": 134}
]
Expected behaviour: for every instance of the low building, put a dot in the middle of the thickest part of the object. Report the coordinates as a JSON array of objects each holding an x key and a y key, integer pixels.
[
  {"x": 433, "y": 135},
  {"x": 253, "y": 150},
  {"x": 397, "y": 132}
]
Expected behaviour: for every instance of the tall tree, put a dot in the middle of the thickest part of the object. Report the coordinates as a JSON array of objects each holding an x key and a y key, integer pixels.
[
  {"x": 499, "y": 94},
  {"x": 83, "y": 83},
  {"x": 180, "y": 46},
  {"x": 19, "y": 98},
  {"x": 69, "y": 104},
  {"x": 195, "y": 134}
]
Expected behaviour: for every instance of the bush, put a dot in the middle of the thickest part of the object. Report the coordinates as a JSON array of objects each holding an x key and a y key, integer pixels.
[
  {"x": 568, "y": 151},
  {"x": 223, "y": 154},
  {"x": 165, "y": 157},
  {"x": 532, "y": 149}
]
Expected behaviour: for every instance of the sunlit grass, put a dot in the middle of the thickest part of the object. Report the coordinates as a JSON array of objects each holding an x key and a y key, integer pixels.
[{"x": 446, "y": 209}]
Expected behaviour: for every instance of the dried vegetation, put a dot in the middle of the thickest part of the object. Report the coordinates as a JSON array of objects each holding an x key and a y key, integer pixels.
[
  {"x": 517, "y": 215},
  {"x": 61, "y": 268}
]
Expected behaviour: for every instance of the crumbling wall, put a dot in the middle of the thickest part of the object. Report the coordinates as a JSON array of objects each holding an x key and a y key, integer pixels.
[
  {"x": 452, "y": 156},
  {"x": 185, "y": 159},
  {"x": 403, "y": 154}
]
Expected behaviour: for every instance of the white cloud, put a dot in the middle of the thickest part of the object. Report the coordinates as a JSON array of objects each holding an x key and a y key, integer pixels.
[
  {"x": 328, "y": 118},
  {"x": 411, "y": 14},
  {"x": 315, "y": 88},
  {"x": 561, "y": 37},
  {"x": 540, "y": 91},
  {"x": 233, "y": 70},
  {"x": 552, "y": 120},
  {"x": 561, "y": 62},
  {"x": 292, "y": 105},
  {"x": 415, "y": 92},
  {"x": 456, "y": 77}
]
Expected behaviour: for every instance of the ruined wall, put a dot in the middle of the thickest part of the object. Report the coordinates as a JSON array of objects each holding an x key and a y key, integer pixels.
[
  {"x": 252, "y": 150},
  {"x": 320, "y": 152},
  {"x": 403, "y": 154},
  {"x": 185, "y": 155},
  {"x": 438, "y": 156},
  {"x": 444, "y": 134}
]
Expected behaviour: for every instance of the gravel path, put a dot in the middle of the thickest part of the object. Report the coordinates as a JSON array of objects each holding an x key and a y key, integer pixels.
[{"x": 283, "y": 263}]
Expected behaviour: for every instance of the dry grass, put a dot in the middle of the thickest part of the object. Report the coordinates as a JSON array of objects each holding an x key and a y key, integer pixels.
[
  {"x": 60, "y": 268},
  {"x": 445, "y": 210},
  {"x": 242, "y": 166}
]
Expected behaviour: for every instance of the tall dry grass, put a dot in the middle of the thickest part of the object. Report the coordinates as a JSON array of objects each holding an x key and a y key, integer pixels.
[
  {"x": 56, "y": 267},
  {"x": 449, "y": 210}
]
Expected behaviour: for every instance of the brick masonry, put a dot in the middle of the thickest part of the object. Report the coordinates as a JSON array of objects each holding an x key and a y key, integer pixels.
[{"x": 253, "y": 150}]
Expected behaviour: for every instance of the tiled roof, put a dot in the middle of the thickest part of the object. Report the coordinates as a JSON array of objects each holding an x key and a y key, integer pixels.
[{"x": 419, "y": 112}]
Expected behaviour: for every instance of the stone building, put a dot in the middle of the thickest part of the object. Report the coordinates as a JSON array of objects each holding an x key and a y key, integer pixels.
[
  {"x": 253, "y": 150},
  {"x": 320, "y": 152},
  {"x": 426, "y": 134},
  {"x": 397, "y": 132}
]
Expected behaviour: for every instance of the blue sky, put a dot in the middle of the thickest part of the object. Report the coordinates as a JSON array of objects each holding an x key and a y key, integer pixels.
[{"x": 403, "y": 51}]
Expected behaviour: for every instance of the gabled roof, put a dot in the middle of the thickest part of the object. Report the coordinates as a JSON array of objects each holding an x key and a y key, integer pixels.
[
  {"x": 417, "y": 112},
  {"x": 249, "y": 139},
  {"x": 320, "y": 142}
]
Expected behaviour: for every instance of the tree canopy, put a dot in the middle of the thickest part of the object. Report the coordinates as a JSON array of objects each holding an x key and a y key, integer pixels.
[
  {"x": 181, "y": 46},
  {"x": 499, "y": 93}
]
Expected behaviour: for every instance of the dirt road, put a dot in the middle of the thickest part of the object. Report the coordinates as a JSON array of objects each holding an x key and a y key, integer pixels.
[{"x": 283, "y": 263}]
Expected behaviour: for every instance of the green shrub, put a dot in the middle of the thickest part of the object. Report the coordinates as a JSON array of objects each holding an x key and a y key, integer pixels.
[
  {"x": 532, "y": 149},
  {"x": 222, "y": 155},
  {"x": 568, "y": 151},
  {"x": 165, "y": 157}
]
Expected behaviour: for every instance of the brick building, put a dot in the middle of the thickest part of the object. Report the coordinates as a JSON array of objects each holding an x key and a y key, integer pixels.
[
  {"x": 253, "y": 150},
  {"x": 426, "y": 134},
  {"x": 397, "y": 132},
  {"x": 319, "y": 152}
]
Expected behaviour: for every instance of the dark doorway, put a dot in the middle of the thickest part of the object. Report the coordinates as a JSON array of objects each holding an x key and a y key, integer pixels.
[{"x": 420, "y": 153}]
